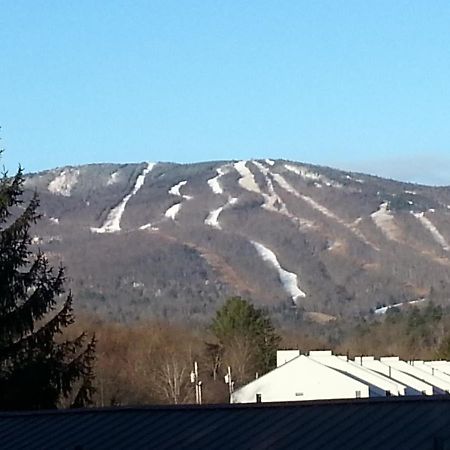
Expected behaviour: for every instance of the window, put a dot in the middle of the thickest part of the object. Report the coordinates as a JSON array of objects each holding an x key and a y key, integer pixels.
[
  {"x": 358, "y": 394},
  {"x": 258, "y": 398}
]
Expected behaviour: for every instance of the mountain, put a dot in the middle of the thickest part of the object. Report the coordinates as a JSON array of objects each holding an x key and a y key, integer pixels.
[{"x": 175, "y": 240}]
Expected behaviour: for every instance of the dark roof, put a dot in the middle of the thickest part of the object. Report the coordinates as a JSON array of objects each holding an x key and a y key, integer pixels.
[{"x": 388, "y": 423}]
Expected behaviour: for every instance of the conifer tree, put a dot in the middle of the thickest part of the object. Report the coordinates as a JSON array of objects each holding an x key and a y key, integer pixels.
[
  {"x": 239, "y": 319},
  {"x": 38, "y": 368}
]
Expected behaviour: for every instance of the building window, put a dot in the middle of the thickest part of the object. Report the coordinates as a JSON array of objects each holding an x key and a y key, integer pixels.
[
  {"x": 358, "y": 394},
  {"x": 258, "y": 398}
]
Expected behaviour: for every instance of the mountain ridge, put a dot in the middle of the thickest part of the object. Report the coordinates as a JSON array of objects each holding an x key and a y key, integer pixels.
[{"x": 174, "y": 240}]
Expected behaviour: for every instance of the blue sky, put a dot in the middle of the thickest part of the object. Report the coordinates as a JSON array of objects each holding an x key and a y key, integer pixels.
[{"x": 362, "y": 85}]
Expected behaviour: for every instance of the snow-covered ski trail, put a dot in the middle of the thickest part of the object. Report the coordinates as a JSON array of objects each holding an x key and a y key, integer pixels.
[
  {"x": 274, "y": 203},
  {"x": 63, "y": 183},
  {"x": 212, "y": 219},
  {"x": 437, "y": 236},
  {"x": 385, "y": 221},
  {"x": 289, "y": 280},
  {"x": 247, "y": 180},
  {"x": 112, "y": 222},
  {"x": 173, "y": 211},
  {"x": 283, "y": 183}
]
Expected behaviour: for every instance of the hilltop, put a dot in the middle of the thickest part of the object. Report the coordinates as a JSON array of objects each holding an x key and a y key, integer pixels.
[{"x": 175, "y": 240}]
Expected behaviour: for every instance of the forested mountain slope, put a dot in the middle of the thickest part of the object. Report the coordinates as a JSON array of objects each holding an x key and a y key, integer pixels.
[{"x": 175, "y": 240}]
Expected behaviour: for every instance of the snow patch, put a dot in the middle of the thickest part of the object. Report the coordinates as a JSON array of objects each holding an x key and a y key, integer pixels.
[
  {"x": 175, "y": 190},
  {"x": 112, "y": 222},
  {"x": 114, "y": 178},
  {"x": 384, "y": 309},
  {"x": 173, "y": 211},
  {"x": 385, "y": 221},
  {"x": 307, "y": 174},
  {"x": 322, "y": 209},
  {"x": 213, "y": 217},
  {"x": 54, "y": 220},
  {"x": 273, "y": 202},
  {"x": 269, "y": 162},
  {"x": 214, "y": 182},
  {"x": 64, "y": 182},
  {"x": 148, "y": 226},
  {"x": 247, "y": 180},
  {"x": 288, "y": 280},
  {"x": 437, "y": 236}
]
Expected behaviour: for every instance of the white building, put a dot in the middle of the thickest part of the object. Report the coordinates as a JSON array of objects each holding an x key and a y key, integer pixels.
[
  {"x": 440, "y": 386},
  {"x": 322, "y": 375},
  {"x": 379, "y": 385},
  {"x": 414, "y": 386},
  {"x": 300, "y": 379}
]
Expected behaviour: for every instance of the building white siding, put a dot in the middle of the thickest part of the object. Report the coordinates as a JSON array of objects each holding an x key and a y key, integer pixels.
[
  {"x": 284, "y": 356},
  {"x": 297, "y": 380},
  {"x": 323, "y": 376},
  {"x": 413, "y": 385},
  {"x": 439, "y": 386},
  {"x": 379, "y": 385}
]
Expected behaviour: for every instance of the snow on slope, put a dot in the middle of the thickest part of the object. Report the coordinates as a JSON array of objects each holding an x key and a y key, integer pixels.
[
  {"x": 112, "y": 222},
  {"x": 384, "y": 309},
  {"x": 385, "y": 221},
  {"x": 148, "y": 226},
  {"x": 272, "y": 198},
  {"x": 317, "y": 206},
  {"x": 114, "y": 178},
  {"x": 175, "y": 190},
  {"x": 214, "y": 182},
  {"x": 247, "y": 180},
  {"x": 307, "y": 174},
  {"x": 213, "y": 217},
  {"x": 288, "y": 280},
  {"x": 273, "y": 202},
  {"x": 173, "y": 211},
  {"x": 64, "y": 182},
  {"x": 437, "y": 236}
]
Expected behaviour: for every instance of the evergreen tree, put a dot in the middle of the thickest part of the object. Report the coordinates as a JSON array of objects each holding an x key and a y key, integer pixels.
[
  {"x": 239, "y": 319},
  {"x": 38, "y": 368}
]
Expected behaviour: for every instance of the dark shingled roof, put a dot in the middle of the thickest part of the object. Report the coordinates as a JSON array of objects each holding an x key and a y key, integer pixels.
[{"x": 387, "y": 423}]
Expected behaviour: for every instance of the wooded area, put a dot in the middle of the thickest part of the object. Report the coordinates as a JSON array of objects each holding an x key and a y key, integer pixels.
[{"x": 150, "y": 361}]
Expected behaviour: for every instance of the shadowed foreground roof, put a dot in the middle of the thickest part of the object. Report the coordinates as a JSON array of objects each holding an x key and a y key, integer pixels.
[{"x": 389, "y": 423}]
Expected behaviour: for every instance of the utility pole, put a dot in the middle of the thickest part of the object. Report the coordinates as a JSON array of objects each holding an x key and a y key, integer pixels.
[
  {"x": 229, "y": 381},
  {"x": 197, "y": 384}
]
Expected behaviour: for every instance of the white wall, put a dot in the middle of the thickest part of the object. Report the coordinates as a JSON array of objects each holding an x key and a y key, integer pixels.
[
  {"x": 439, "y": 386},
  {"x": 435, "y": 371},
  {"x": 413, "y": 385},
  {"x": 379, "y": 385},
  {"x": 284, "y": 356},
  {"x": 300, "y": 379},
  {"x": 443, "y": 366}
]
